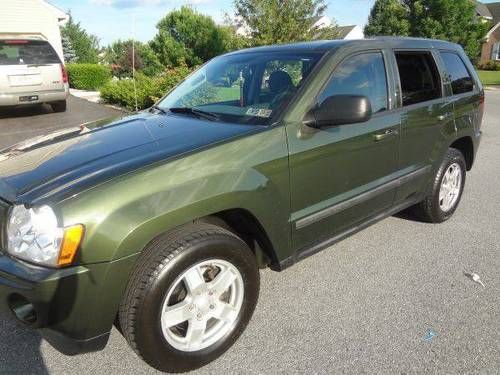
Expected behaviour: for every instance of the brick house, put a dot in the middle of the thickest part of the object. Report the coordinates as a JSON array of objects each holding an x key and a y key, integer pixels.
[{"x": 490, "y": 12}]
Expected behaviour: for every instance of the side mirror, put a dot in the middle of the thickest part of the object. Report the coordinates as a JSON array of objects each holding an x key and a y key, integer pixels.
[{"x": 339, "y": 110}]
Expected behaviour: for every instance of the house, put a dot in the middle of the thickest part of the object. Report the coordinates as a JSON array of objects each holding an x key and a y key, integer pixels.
[
  {"x": 345, "y": 32},
  {"x": 351, "y": 32},
  {"x": 490, "y": 12},
  {"x": 33, "y": 17}
]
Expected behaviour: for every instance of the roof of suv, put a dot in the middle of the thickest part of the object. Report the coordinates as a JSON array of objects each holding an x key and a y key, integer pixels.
[{"x": 327, "y": 45}]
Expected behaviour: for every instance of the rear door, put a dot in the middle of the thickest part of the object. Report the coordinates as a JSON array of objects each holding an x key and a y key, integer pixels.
[
  {"x": 29, "y": 66},
  {"x": 426, "y": 118}
]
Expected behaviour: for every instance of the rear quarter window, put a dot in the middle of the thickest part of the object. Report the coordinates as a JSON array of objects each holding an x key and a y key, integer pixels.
[
  {"x": 457, "y": 73},
  {"x": 27, "y": 52}
]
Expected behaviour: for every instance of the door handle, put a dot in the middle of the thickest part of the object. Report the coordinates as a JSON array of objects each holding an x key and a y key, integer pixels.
[
  {"x": 388, "y": 133},
  {"x": 444, "y": 117}
]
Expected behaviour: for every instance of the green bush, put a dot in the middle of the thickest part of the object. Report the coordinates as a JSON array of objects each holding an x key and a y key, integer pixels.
[
  {"x": 122, "y": 92},
  {"x": 88, "y": 76},
  {"x": 149, "y": 90},
  {"x": 490, "y": 65}
]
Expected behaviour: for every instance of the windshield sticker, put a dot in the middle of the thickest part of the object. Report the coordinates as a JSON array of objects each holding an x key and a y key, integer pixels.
[{"x": 259, "y": 112}]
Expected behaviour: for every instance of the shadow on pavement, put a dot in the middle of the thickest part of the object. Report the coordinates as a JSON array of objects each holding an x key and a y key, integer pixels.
[
  {"x": 19, "y": 349},
  {"x": 25, "y": 111}
]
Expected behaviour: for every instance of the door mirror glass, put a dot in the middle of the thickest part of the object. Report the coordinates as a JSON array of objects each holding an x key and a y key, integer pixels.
[{"x": 340, "y": 110}]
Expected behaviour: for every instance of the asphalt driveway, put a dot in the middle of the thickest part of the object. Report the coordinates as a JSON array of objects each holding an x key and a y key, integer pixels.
[
  {"x": 19, "y": 123},
  {"x": 390, "y": 299}
]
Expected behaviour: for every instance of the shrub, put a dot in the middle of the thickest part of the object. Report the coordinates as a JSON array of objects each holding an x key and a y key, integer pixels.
[
  {"x": 490, "y": 65},
  {"x": 88, "y": 76},
  {"x": 122, "y": 92},
  {"x": 149, "y": 90}
]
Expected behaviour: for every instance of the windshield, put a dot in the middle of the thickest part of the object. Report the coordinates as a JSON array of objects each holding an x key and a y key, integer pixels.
[
  {"x": 244, "y": 88},
  {"x": 27, "y": 52}
]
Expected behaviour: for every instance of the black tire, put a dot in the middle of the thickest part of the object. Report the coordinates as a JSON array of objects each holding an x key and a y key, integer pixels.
[
  {"x": 161, "y": 263},
  {"x": 429, "y": 209},
  {"x": 59, "y": 106}
]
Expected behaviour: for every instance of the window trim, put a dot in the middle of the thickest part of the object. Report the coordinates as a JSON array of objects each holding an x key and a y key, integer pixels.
[
  {"x": 495, "y": 45},
  {"x": 429, "y": 51},
  {"x": 475, "y": 86},
  {"x": 389, "y": 105}
]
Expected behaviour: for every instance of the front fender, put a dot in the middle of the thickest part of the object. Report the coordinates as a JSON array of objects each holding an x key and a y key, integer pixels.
[{"x": 122, "y": 216}]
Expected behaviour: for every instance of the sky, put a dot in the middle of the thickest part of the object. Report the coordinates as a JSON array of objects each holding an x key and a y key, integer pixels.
[{"x": 113, "y": 19}]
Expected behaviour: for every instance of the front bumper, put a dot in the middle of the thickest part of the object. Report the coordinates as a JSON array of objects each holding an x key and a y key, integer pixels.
[{"x": 73, "y": 308}]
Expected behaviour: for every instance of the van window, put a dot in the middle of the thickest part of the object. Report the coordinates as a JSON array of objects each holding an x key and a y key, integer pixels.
[
  {"x": 419, "y": 77},
  {"x": 27, "y": 52},
  {"x": 362, "y": 74},
  {"x": 461, "y": 81}
]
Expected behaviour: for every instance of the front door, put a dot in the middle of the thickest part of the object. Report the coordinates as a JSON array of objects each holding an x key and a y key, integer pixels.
[{"x": 341, "y": 175}]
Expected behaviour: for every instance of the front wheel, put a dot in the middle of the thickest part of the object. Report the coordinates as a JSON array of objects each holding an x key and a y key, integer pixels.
[
  {"x": 446, "y": 190},
  {"x": 190, "y": 297}
]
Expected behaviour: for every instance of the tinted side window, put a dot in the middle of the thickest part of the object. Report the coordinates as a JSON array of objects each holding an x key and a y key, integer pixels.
[
  {"x": 461, "y": 81},
  {"x": 360, "y": 75},
  {"x": 419, "y": 77}
]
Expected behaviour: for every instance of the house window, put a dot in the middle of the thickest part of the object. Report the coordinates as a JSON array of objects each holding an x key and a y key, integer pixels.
[{"x": 495, "y": 53}]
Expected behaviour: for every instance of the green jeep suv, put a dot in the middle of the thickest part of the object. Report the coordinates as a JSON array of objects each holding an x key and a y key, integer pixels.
[{"x": 158, "y": 222}]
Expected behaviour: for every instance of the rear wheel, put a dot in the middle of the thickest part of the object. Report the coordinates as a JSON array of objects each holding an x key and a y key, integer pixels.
[
  {"x": 446, "y": 191},
  {"x": 59, "y": 106},
  {"x": 190, "y": 297}
]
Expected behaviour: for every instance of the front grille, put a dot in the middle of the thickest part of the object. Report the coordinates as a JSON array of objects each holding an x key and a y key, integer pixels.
[{"x": 4, "y": 209}]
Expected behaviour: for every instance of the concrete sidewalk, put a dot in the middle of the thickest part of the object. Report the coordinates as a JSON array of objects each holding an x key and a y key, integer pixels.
[{"x": 91, "y": 96}]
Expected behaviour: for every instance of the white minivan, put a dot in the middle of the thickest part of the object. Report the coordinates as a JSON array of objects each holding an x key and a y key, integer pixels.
[{"x": 31, "y": 72}]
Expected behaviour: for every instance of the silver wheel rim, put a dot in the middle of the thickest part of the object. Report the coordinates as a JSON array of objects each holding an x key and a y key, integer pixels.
[
  {"x": 450, "y": 187},
  {"x": 202, "y": 305}
]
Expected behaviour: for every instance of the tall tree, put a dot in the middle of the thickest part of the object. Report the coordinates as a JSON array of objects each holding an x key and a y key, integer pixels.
[
  {"x": 283, "y": 21},
  {"x": 119, "y": 55},
  {"x": 453, "y": 20},
  {"x": 68, "y": 51},
  {"x": 186, "y": 36},
  {"x": 388, "y": 17},
  {"x": 85, "y": 45}
]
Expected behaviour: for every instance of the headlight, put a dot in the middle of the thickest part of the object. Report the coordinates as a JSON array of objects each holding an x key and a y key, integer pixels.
[{"x": 34, "y": 235}]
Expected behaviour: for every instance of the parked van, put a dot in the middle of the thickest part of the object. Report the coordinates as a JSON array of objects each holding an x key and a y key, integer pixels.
[{"x": 31, "y": 72}]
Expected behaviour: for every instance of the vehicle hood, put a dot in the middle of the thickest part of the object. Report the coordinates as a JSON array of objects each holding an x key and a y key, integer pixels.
[{"x": 51, "y": 167}]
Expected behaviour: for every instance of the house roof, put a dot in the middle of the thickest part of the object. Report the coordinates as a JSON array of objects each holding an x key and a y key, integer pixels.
[
  {"x": 59, "y": 13},
  {"x": 494, "y": 9},
  {"x": 344, "y": 30},
  {"x": 482, "y": 9}
]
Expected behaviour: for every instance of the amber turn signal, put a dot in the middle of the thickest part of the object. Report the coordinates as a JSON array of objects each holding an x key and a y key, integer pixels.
[{"x": 71, "y": 242}]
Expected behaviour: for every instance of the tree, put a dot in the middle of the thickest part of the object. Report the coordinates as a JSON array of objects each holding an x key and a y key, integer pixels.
[
  {"x": 85, "y": 45},
  {"x": 68, "y": 51},
  {"x": 452, "y": 20},
  {"x": 279, "y": 21},
  {"x": 186, "y": 36},
  {"x": 388, "y": 17},
  {"x": 119, "y": 56}
]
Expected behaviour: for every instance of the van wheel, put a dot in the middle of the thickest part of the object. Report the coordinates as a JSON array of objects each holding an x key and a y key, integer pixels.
[
  {"x": 190, "y": 296},
  {"x": 446, "y": 191},
  {"x": 59, "y": 106}
]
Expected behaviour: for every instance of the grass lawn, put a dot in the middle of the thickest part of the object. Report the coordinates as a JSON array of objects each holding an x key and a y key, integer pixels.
[
  {"x": 489, "y": 77},
  {"x": 228, "y": 93}
]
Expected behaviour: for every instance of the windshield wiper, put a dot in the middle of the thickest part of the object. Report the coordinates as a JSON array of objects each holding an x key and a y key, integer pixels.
[
  {"x": 159, "y": 109},
  {"x": 197, "y": 112}
]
